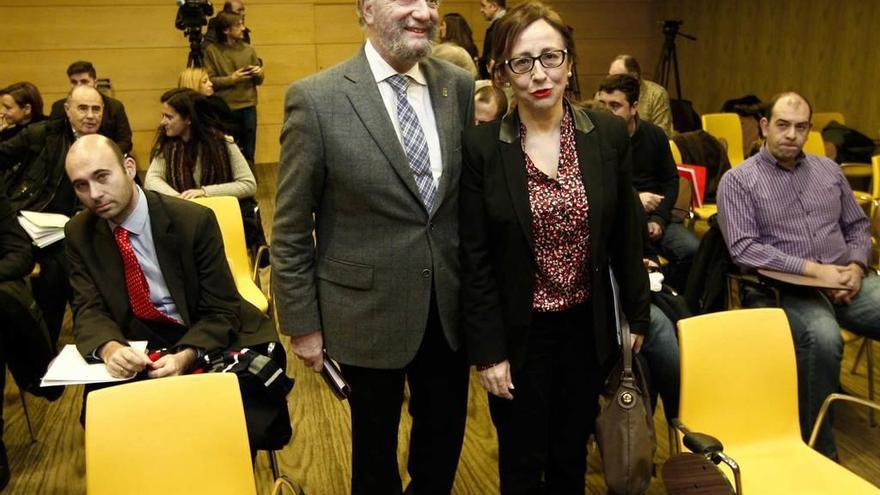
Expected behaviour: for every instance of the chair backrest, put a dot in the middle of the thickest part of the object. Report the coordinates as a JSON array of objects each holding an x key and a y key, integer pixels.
[
  {"x": 875, "y": 176},
  {"x": 821, "y": 119},
  {"x": 738, "y": 376},
  {"x": 814, "y": 144},
  {"x": 228, "y": 214},
  {"x": 181, "y": 434},
  {"x": 676, "y": 153},
  {"x": 727, "y": 128}
]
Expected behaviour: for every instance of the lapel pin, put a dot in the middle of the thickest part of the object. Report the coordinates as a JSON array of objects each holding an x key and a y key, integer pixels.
[{"x": 445, "y": 92}]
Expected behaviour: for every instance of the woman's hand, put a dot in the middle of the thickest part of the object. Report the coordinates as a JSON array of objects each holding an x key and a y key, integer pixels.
[
  {"x": 193, "y": 193},
  {"x": 496, "y": 380}
]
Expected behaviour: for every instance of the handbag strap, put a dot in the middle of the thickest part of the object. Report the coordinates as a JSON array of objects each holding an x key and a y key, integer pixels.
[{"x": 622, "y": 325}]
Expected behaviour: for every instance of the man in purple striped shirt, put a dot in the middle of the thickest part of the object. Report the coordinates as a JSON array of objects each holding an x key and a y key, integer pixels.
[{"x": 787, "y": 211}]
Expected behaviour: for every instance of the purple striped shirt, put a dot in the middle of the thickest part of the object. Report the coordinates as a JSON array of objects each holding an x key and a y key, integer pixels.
[{"x": 779, "y": 219}]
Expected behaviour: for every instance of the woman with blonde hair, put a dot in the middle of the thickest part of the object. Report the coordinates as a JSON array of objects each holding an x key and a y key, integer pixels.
[{"x": 197, "y": 79}]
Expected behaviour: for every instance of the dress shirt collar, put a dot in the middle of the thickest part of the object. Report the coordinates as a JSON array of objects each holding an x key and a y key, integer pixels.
[
  {"x": 136, "y": 222},
  {"x": 382, "y": 70},
  {"x": 765, "y": 157},
  {"x": 498, "y": 15}
]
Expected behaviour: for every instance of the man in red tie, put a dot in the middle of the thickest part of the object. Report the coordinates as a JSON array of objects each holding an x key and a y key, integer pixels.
[{"x": 144, "y": 266}]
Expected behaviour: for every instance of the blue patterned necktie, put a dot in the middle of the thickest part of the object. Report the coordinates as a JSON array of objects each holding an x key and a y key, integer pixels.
[{"x": 414, "y": 143}]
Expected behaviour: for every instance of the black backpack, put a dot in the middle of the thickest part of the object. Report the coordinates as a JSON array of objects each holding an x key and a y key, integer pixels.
[{"x": 706, "y": 289}]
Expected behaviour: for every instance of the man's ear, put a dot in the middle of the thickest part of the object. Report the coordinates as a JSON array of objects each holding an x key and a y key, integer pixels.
[
  {"x": 130, "y": 166},
  {"x": 367, "y": 11},
  {"x": 765, "y": 125},
  {"x": 27, "y": 109}
]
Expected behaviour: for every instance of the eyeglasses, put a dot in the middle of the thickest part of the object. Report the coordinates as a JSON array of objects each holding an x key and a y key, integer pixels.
[{"x": 549, "y": 60}]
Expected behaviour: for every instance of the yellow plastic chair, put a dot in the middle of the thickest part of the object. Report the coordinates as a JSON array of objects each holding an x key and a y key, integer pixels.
[
  {"x": 182, "y": 434},
  {"x": 739, "y": 384},
  {"x": 821, "y": 119},
  {"x": 726, "y": 127},
  {"x": 228, "y": 215},
  {"x": 676, "y": 153},
  {"x": 814, "y": 144}
]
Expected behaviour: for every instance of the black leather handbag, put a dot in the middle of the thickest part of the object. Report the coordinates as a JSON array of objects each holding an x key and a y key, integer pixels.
[{"x": 624, "y": 426}]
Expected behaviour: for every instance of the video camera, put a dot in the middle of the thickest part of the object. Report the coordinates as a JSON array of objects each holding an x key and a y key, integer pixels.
[{"x": 191, "y": 16}]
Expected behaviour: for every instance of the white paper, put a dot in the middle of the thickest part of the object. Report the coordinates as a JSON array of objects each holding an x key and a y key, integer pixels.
[
  {"x": 41, "y": 236},
  {"x": 70, "y": 368},
  {"x": 41, "y": 219}
]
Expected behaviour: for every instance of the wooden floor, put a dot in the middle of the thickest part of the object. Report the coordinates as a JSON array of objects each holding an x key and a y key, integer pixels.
[{"x": 318, "y": 457}]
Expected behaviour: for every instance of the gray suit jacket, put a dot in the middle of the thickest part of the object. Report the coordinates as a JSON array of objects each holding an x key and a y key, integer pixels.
[{"x": 365, "y": 278}]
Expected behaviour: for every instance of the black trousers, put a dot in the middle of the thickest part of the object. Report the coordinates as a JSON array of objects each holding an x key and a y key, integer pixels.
[
  {"x": 438, "y": 384},
  {"x": 52, "y": 289},
  {"x": 543, "y": 431},
  {"x": 24, "y": 343}
]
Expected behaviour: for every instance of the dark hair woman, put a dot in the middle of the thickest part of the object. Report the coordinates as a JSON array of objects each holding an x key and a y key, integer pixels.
[
  {"x": 20, "y": 105},
  {"x": 455, "y": 29},
  {"x": 547, "y": 208},
  {"x": 192, "y": 157}
]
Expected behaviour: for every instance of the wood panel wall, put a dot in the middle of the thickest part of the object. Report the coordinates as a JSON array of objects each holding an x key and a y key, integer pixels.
[
  {"x": 135, "y": 44},
  {"x": 826, "y": 49}
]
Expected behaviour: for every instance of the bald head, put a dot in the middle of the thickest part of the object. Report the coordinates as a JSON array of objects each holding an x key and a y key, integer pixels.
[
  {"x": 85, "y": 109},
  {"x": 789, "y": 100},
  {"x": 102, "y": 178}
]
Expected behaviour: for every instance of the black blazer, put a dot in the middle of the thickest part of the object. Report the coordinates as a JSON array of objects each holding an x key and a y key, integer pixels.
[
  {"x": 498, "y": 260},
  {"x": 190, "y": 252}
]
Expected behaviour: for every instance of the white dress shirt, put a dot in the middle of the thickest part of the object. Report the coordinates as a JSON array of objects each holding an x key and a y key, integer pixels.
[{"x": 419, "y": 98}]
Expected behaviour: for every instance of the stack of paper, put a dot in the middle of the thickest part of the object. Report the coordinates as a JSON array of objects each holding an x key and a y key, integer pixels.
[
  {"x": 69, "y": 368},
  {"x": 44, "y": 228}
]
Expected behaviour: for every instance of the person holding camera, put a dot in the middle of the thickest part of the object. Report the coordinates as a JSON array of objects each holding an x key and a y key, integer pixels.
[{"x": 236, "y": 72}]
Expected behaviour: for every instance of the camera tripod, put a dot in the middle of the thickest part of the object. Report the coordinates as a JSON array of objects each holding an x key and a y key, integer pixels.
[{"x": 669, "y": 56}]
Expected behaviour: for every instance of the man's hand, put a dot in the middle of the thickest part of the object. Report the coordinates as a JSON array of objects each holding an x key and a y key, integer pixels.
[
  {"x": 655, "y": 231},
  {"x": 241, "y": 74},
  {"x": 846, "y": 296},
  {"x": 193, "y": 193},
  {"x": 637, "y": 341},
  {"x": 173, "y": 364},
  {"x": 256, "y": 71},
  {"x": 829, "y": 274},
  {"x": 497, "y": 380},
  {"x": 309, "y": 348},
  {"x": 650, "y": 201},
  {"x": 122, "y": 361}
]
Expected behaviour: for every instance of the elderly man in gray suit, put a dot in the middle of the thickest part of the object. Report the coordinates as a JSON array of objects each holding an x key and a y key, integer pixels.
[{"x": 370, "y": 161}]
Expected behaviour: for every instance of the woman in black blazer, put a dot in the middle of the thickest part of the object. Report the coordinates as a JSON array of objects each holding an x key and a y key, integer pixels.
[{"x": 546, "y": 207}]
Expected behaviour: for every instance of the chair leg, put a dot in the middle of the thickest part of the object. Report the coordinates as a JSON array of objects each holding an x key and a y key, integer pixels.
[
  {"x": 859, "y": 355},
  {"x": 273, "y": 464},
  {"x": 869, "y": 355},
  {"x": 27, "y": 417}
]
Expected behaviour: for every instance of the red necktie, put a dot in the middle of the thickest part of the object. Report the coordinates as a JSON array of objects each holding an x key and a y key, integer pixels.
[{"x": 136, "y": 282}]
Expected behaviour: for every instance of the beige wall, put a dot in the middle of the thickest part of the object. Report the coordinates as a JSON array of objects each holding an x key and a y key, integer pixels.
[
  {"x": 135, "y": 44},
  {"x": 827, "y": 49}
]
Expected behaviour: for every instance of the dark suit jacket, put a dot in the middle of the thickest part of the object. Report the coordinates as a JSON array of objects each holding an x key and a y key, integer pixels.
[
  {"x": 498, "y": 262},
  {"x": 487, "y": 51},
  {"x": 114, "y": 122},
  {"x": 190, "y": 252},
  {"x": 365, "y": 278}
]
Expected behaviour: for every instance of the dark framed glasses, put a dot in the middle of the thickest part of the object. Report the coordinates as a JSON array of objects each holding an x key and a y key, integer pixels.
[{"x": 549, "y": 60}]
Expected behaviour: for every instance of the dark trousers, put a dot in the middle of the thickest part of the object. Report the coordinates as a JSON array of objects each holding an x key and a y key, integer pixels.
[
  {"x": 51, "y": 288},
  {"x": 247, "y": 123},
  {"x": 438, "y": 384},
  {"x": 24, "y": 342},
  {"x": 543, "y": 431}
]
